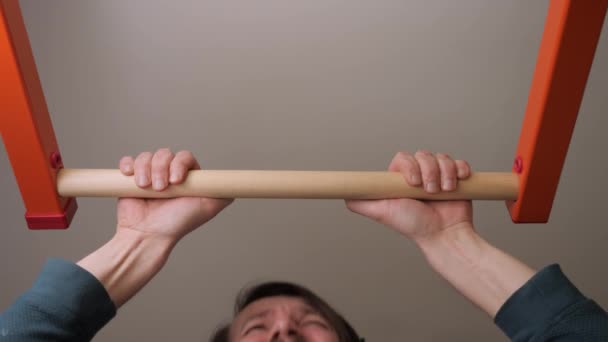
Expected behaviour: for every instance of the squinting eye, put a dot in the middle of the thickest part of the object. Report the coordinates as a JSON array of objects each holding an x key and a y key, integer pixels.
[
  {"x": 316, "y": 322},
  {"x": 254, "y": 328}
]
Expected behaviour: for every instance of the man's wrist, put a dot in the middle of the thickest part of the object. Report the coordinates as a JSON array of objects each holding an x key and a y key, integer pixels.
[
  {"x": 481, "y": 272},
  {"x": 461, "y": 240},
  {"x": 159, "y": 243},
  {"x": 127, "y": 262}
]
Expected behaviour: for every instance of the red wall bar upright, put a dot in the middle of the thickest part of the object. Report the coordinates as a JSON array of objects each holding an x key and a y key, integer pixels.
[
  {"x": 25, "y": 124},
  {"x": 572, "y": 30}
]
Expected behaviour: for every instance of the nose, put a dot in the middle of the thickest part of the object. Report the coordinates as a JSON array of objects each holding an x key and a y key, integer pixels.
[{"x": 284, "y": 329}]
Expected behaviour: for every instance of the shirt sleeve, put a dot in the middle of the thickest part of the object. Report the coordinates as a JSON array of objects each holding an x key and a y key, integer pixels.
[
  {"x": 66, "y": 303},
  {"x": 550, "y": 308}
]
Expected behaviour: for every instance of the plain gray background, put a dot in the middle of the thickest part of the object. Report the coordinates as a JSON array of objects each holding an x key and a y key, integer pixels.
[{"x": 310, "y": 85}]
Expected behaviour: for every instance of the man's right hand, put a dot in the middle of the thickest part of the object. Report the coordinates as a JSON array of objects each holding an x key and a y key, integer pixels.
[{"x": 444, "y": 231}]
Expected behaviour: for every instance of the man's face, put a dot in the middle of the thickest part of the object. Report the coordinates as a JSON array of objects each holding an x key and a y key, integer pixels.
[{"x": 279, "y": 319}]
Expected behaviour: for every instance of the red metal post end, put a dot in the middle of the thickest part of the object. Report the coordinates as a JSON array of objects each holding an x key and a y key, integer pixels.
[
  {"x": 53, "y": 221},
  {"x": 62, "y": 220}
]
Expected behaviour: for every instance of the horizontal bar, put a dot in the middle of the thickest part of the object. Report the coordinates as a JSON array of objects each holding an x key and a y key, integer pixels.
[{"x": 284, "y": 184}]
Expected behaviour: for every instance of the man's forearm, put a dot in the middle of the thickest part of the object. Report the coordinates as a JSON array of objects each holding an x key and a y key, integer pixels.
[
  {"x": 481, "y": 272},
  {"x": 127, "y": 262}
]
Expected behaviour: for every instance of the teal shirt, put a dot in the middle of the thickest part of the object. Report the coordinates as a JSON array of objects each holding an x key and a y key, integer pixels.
[
  {"x": 550, "y": 308},
  {"x": 67, "y": 303}
]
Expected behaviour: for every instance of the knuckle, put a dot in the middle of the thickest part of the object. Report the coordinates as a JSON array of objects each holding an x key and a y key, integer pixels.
[
  {"x": 403, "y": 154},
  {"x": 432, "y": 170},
  {"x": 163, "y": 153},
  {"x": 185, "y": 154},
  {"x": 431, "y": 174},
  {"x": 410, "y": 166},
  {"x": 447, "y": 164},
  {"x": 158, "y": 167},
  {"x": 462, "y": 163},
  {"x": 443, "y": 156},
  {"x": 144, "y": 156},
  {"x": 408, "y": 163},
  {"x": 125, "y": 159}
]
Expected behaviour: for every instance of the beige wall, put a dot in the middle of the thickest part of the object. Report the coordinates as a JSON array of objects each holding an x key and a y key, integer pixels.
[{"x": 317, "y": 84}]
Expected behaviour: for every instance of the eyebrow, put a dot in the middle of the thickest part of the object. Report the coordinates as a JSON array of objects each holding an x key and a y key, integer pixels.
[
  {"x": 260, "y": 314},
  {"x": 307, "y": 310}
]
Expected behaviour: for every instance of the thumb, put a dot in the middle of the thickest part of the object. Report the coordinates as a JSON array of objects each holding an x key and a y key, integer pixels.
[
  {"x": 376, "y": 210},
  {"x": 213, "y": 206}
]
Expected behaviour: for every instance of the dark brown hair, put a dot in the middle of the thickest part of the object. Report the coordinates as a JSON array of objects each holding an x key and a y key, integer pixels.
[{"x": 343, "y": 329}]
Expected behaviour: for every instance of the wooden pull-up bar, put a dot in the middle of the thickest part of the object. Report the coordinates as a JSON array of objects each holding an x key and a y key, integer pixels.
[{"x": 284, "y": 184}]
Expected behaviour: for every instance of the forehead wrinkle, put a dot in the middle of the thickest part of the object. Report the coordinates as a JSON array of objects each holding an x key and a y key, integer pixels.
[{"x": 260, "y": 314}]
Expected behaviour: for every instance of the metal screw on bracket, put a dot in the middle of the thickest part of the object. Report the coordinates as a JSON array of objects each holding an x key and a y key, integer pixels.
[
  {"x": 518, "y": 165},
  {"x": 56, "y": 161}
]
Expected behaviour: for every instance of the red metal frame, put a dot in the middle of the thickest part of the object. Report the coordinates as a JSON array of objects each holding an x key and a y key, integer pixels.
[
  {"x": 572, "y": 30},
  {"x": 26, "y": 127}
]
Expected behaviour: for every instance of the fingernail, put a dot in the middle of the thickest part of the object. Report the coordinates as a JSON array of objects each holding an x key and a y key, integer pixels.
[
  {"x": 159, "y": 184},
  {"x": 173, "y": 178},
  {"x": 141, "y": 180},
  {"x": 415, "y": 179},
  {"x": 448, "y": 185},
  {"x": 432, "y": 187}
]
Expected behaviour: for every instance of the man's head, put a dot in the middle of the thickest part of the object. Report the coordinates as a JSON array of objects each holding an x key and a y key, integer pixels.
[{"x": 279, "y": 311}]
